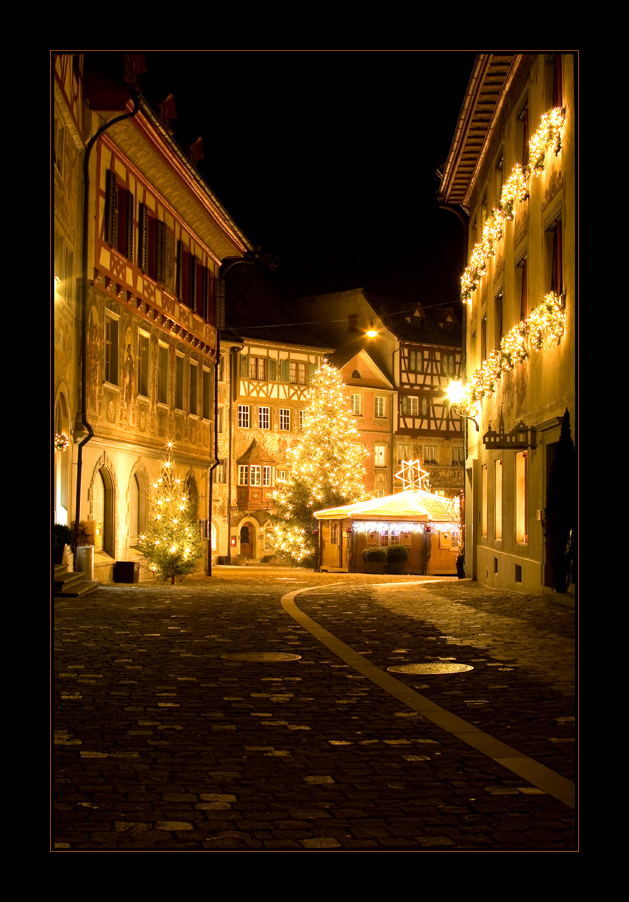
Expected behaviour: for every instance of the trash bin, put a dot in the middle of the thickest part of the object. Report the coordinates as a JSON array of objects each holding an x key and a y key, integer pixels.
[
  {"x": 127, "y": 572},
  {"x": 85, "y": 560}
]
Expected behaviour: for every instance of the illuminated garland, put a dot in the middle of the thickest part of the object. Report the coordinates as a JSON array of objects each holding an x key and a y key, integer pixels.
[
  {"x": 62, "y": 442},
  {"x": 545, "y": 325},
  {"x": 516, "y": 189}
]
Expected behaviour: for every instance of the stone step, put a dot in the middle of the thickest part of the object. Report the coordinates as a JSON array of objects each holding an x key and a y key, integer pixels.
[{"x": 70, "y": 584}]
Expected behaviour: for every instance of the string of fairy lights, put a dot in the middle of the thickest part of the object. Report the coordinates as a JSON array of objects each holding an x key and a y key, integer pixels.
[{"x": 546, "y": 322}]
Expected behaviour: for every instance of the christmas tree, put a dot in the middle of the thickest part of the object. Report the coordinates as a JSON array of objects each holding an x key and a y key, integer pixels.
[
  {"x": 171, "y": 543},
  {"x": 326, "y": 466}
]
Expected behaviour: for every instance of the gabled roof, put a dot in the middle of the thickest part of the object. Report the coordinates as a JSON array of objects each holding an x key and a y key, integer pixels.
[
  {"x": 412, "y": 505},
  {"x": 362, "y": 360},
  {"x": 255, "y": 454},
  {"x": 491, "y": 77}
]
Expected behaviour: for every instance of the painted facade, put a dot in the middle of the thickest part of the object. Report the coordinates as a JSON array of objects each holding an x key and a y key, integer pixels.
[{"x": 134, "y": 310}]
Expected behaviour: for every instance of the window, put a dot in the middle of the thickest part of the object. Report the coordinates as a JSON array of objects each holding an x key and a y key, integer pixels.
[
  {"x": 380, "y": 455},
  {"x": 194, "y": 388},
  {"x": 267, "y": 475},
  {"x": 58, "y": 149},
  {"x": 284, "y": 419},
  {"x": 243, "y": 416},
  {"x": 162, "y": 376},
  {"x": 357, "y": 404},
  {"x": 254, "y": 368},
  {"x": 483, "y": 511},
  {"x": 379, "y": 406},
  {"x": 498, "y": 305},
  {"x": 448, "y": 365},
  {"x": 410, "y": 406},
  {"x": 207, "y": 393},
  {"x": 179, "y": 381},
  {"x": 522, "y": 137},
  {"x": 118, "y": 216},
  {"x": 220, "y": 424},
  {"x": 143, "y": 364},
  {"x": 255, "y": 474},
  {"x": 220, "y": 472},
  {"x": 457, "y": 455},
  {"x": 430, "y": 453},
  {"x": 415, "y": 361},
  {"x": 297, "y": 373},
  {"x": 301, "y": 420},
  {"x": 111, "y": 350},
  {"x": 137, "y": 509},
  {"x": 152, "y": 245},
  {"x": 521, "y": 277},
  {"x": 554, "y": 263},
  {"x": 521, "y": 498},
  {"x": 498, "y": 499},
  {"x": 243, "y": 474},
  {"x": 403, "y": 452},
  {"x": 264, "y": 417}
]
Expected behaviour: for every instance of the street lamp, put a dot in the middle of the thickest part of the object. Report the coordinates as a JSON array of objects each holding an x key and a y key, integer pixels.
[{"x": 456, "y": 393}]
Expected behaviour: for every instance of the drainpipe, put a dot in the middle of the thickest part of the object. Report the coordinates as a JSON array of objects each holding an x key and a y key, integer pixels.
[
  {"x": 84, "y": 420},
  {"x": 226, "y": 265}
]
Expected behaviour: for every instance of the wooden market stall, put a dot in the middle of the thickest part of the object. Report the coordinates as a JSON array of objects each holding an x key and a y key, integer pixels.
[{"x": 427, "y": 524}]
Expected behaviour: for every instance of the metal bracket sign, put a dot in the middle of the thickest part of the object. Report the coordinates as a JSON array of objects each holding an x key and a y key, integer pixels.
[{"x": 521, "y": 436}]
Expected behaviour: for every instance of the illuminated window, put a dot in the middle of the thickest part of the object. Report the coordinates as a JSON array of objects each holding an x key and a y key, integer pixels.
[
  {"x": 301, "y": 420},
  {"x": 554, "y": 262},
  {"x": 243, "y": 474},
  {"x": 379, "y": 406},
  {"x": 284, "y": 419},
  {"x": 498, "y": 499},
  {"x": 380, "y": 455},
  {"x": 257, "y": 368},
  {"x": 521, "y": 498},
  {"x": 357, "y": 404},
  {"x": 267, "y": 475}
]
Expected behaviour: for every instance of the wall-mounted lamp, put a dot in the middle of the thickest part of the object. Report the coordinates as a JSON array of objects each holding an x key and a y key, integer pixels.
[
  {"x": 371, "y": 332},
  {"x": 455, "y": 396}
]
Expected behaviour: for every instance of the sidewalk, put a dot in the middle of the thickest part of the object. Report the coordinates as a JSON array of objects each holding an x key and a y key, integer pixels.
[{"x": 167, "y": 738}]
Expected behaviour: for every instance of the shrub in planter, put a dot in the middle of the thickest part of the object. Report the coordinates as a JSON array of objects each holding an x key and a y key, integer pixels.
[
  {"x": 62, "y": 535},
  {"x": 397, "y": 555},
  {"x": 375, "y": 555},
  {"x": 374, "y": 559}
]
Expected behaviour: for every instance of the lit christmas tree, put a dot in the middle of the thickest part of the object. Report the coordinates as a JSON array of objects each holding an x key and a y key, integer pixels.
[
  {"x": 326, "y": 466},
  {"x": 172, "y": 543}
]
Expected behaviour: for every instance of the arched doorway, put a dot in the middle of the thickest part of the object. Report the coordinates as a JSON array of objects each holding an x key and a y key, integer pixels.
[
  {"x": 247, "y": 540},
  {"x": 103, "y": 511},
  {"x": 62, "y": 462}
]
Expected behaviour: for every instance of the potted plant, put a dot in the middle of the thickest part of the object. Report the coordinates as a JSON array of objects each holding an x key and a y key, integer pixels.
[
  {"x": 62, "y": 535},
  {"x": 375, "y": 559},
  {"x": 397, "y": 555}
]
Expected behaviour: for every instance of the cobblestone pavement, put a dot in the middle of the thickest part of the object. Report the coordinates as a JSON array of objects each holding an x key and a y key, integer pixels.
[{"x": 180, "y": 724}]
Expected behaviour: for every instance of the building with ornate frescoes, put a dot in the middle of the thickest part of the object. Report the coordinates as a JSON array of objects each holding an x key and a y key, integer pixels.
[{"x": 139, "y": 239}]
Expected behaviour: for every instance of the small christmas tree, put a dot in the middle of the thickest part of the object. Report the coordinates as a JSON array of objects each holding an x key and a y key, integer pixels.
[
  {"x": 326, "y": 466},
  {"x": 171, "y": 543}
]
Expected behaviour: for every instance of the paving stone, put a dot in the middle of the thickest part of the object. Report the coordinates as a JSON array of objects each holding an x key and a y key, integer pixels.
[{"x": 167, "y": 745}]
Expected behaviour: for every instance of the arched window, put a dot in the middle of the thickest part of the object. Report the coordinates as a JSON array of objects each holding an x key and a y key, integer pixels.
[
  {"x": 137, "y": 509},
  {"x": 103, "y": 511}
]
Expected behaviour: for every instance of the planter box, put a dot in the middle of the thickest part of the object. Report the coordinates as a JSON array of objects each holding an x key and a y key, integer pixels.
[
  {"x": 374, "y": 566},
  {"x": 396, "y": 566}
]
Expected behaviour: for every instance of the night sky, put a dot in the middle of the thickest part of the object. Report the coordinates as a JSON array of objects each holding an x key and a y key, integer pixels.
[{"x": 327, "y": 159}]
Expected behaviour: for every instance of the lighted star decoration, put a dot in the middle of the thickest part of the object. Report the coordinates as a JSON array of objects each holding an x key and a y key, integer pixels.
[{"x": 412, "y": 475}]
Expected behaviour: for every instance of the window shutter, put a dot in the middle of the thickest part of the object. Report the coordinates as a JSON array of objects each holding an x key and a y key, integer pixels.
[
  {"x": 272, "y": 369},
  {"x": 312, "y": 368},
  {"x": 284, "y": 371},
  {"x": 244, "y": 367},
  {"x": 160, "y": 252},
  {"x": 143, "y": 251}
]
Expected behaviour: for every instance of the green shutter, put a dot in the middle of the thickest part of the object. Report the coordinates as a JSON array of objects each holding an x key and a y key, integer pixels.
[
  {"x": 272, "y": 369},
  {"x": 312, "y": 369},
  {"x": 244, "y": 367},
  {"x": 284, "y": 371}
]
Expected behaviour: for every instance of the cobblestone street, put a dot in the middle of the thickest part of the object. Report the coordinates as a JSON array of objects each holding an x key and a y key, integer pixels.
[{"x": 270, "y": 709}]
